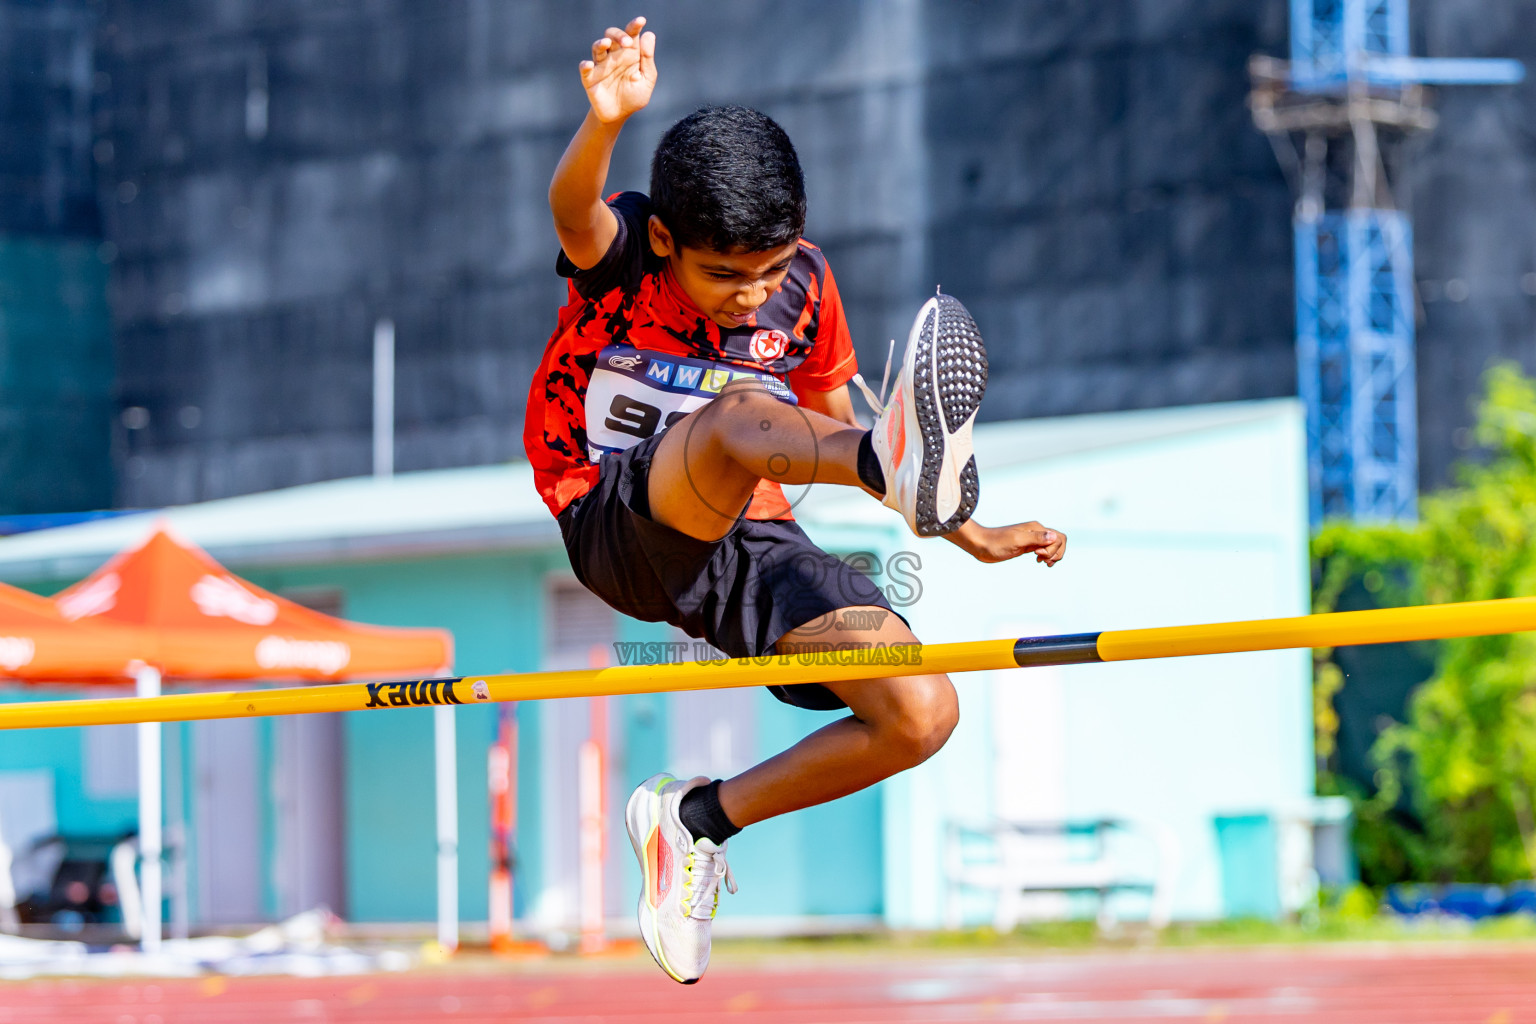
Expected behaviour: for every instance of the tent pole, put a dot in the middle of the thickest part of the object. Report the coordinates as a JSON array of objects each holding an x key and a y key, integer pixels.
[
  {"x": 147, "y": 684},
  {"x": 446, "y": 747}
]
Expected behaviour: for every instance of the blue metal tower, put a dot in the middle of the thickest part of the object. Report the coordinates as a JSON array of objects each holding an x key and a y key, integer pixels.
[{"x": 1350, "y": 90}]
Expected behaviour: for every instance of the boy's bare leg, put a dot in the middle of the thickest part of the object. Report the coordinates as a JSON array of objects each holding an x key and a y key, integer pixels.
[
  {"x": 896, "y": 724},
  {"x": 707, "y": 465},
  {"x": 702, "y": 476}
]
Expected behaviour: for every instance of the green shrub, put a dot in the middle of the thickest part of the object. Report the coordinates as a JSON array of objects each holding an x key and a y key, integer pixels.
[{"x": 1466, "y": 756}]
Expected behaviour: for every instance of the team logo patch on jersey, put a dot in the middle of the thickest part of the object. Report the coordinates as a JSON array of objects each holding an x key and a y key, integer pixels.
[{"x": 768, "y": 345}]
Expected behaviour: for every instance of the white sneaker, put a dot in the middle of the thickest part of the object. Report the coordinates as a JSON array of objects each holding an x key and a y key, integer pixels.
[
  {"x": 923, "y": 434},
  {"x": 681, "y": 886}
]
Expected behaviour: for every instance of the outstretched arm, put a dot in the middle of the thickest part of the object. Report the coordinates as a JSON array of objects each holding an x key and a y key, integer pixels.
[{"x": 618, "y": 80}]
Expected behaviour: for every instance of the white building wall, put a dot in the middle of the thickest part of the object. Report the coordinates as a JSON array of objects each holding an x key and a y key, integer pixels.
[{"x": 1174, "y": 517}]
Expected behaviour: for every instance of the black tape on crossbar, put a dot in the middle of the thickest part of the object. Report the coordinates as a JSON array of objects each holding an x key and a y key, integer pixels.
[{"x": 1072, "y": 649}]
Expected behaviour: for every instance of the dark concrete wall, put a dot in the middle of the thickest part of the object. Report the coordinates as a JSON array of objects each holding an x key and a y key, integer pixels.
[
  {"x": 55, "y": 341},
  {"x": 1100, "y": 198},
  {"x": 1472, "y": 190},
  {"x": 1084, "y": 175},
  {"x": 47, "y": 50},
  {"x": 402, "y": 172}
]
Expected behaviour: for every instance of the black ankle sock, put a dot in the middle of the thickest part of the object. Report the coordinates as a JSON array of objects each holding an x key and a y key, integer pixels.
[
  {"x": 702, "y": 815},
  {"x": 869, "y": 465}
]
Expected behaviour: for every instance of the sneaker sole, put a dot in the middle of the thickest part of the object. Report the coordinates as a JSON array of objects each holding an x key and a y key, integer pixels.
[
  {"x": 949, "y": 379},
  {"x": 639, "y": 819}
]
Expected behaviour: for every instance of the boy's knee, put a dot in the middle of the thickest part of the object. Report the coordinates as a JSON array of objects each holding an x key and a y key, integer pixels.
[{"x": 924, "y": 718}]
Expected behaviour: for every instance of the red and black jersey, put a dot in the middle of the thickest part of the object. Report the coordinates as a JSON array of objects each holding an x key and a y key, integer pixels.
[{"x": 631, "y": 354}]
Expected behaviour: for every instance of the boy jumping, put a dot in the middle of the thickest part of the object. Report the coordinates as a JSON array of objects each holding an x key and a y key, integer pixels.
[{"x": 701, "y": 361}]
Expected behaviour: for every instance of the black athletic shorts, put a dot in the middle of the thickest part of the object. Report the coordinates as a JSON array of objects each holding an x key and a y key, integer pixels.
[{"x": 741, "y": 593}]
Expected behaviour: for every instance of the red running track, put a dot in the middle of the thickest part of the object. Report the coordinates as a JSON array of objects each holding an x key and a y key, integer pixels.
[{"x": 1389, "y": 984}]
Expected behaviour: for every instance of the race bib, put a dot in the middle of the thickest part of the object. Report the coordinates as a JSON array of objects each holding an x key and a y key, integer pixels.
[{"x": 634, "y": 393}]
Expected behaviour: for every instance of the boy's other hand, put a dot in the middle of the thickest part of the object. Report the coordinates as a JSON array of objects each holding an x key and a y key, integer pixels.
[
  {"x": 622, "y": 72},
  {"x": 1001, "y": 543}
]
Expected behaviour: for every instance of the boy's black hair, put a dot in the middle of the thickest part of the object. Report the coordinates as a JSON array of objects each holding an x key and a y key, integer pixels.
[{"x": 727, "y": 179}]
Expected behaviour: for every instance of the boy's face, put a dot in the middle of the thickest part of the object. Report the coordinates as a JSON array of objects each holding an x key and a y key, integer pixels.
[{"x": 727, "y": 287}]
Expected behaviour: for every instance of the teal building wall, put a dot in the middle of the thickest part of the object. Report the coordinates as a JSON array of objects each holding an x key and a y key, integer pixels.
[
  {"x": 61, "y": 752},
  {"x": 56, "y": 369},
  {"x": 493, "y": 604}
]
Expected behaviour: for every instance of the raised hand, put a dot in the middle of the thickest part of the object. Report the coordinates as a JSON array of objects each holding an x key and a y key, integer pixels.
[{"x": 622, "y": 72}]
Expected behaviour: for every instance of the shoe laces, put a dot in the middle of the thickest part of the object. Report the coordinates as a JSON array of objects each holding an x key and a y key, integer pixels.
[
  {"x": 877, "y": 402},
  {"x": 703, "y": 871}
]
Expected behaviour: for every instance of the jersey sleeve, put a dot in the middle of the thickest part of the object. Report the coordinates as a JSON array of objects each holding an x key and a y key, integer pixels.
[
  {"x": 831, "y": 362},
  {"x": 623, "y": 264}
]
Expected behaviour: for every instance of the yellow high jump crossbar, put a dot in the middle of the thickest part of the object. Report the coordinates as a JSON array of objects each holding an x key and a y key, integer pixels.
[{"x": 1335, "y": 629}]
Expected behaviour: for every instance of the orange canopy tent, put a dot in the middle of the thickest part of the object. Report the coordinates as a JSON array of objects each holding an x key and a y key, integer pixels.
[
  {"x": 38, "y": 644},
  {"x": 196, "y": 620},
  {"x": 191, "y": 619}
]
